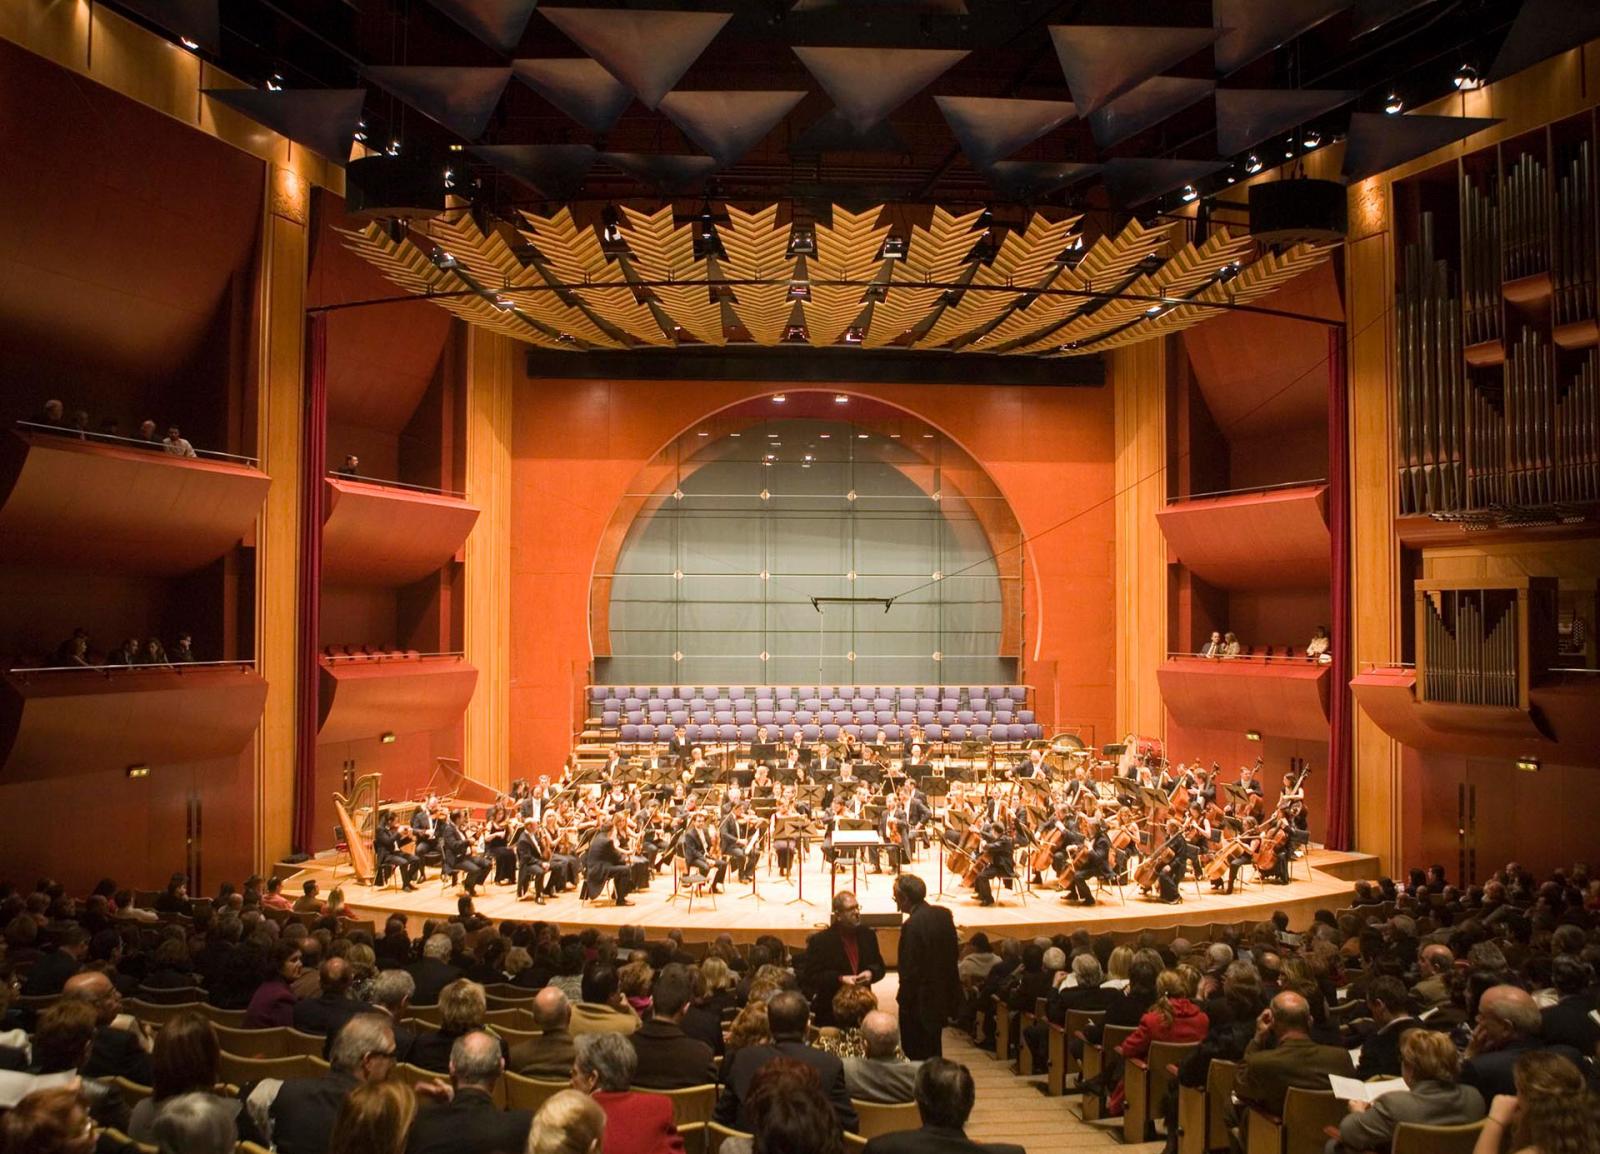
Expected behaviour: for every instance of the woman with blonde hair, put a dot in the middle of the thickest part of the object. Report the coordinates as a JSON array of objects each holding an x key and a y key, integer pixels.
[
  {"x": 750, "y": 1027},
  {"x": 375, "y": 1119},
  {"x": 570, "y": 1122},
  {"x": 1552, "y": 1112},
  {"x": 1117, "y": 968},
  {"x": 1430, "y": 1065},
  {"x": 721, "y": 982}
]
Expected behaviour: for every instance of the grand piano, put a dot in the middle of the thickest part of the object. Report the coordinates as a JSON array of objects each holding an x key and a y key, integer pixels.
[{"x": 358, "y": 813}]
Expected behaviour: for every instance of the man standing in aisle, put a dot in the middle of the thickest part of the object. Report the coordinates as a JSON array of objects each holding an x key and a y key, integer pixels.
[
  {"x": 844, "y": 954},
  {"x": 930, "y": 988}
]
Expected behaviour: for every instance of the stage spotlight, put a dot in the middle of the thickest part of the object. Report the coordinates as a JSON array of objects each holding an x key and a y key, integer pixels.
[
  {"x": 1528, "y": 764},
  {"x": 387, "y": 739},
  {"x": 852, "y": 336},
  {"x": 802, "y": 241},
  {"x": 1467, "y": 79},
  {"x": 444, "y": 260},
  {"x": 894, "y": 248},
  {"x": 394, "y": 148},
  {"x": 191, "y": 45},
  {"x": 1190, "y": 194},
  {"x": 1311, "y": 139},
  {"x": 1394, "y": 105},
  {"x": 799, "y": 290},
  {"x": 275, "y": 82},
  {"x": 1073, "y": 254},
  {"x": 1252, "y": 164},
  {"x": 503, "y": 303},
  {"x": 1228, "y": 271},
  {"x": 841, "y": 399}
]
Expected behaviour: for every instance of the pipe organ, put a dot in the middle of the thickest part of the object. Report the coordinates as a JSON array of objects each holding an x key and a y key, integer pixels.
[{"x": 1484, "y": 642}]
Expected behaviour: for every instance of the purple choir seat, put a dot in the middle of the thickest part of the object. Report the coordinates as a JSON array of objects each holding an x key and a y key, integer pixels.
[
  {"x": 744, "y": 716},
  {"x": 925, "y": 717},
  {"x": 957, "y": 732},
  {"x": 765, "y": 717},
  {"x": 697, "y": 703},
  {"x": 723, "y": 716},
  {"x": 1018, "y": 693},
  {"x": 891, "y": 733},
  {"x": 805, "y": 717},
  {"x": 678, "y": 716},
  {"x": 630, "y": 733},
  {"x": 904, "y": 717},
  {"x": 813, "y": 703},
  {"x": 1025, "y": 716},
  {"x": 664, "y": 733},
  {"x": 657, "y": 717},
  {"x": 747, "y": 733},
  {"x": 927, "y": 704},
  {"x": 784, "y": 717},
  {"x": 728, "y": 732},
  {"x": 827, "y": 717},
  {"x": 674, "y": 703},
  {"x": 869, "y": 733},
  {"x": 965, "y": 716},
  {"x": 882, "y": 703},
  {"x": 701, "y": 716},
  {"x": 610, "y": 718},
  {"x": 905, "y": 703},
  {"x": 978, "y": 732},
  {"x": 950, "y": 703},
  {"x": 934, "y": 732},
  {"x": 654, "y": 702},
  {"x": 1032, "y": 732},
  {"x": 722, "y": 703},
  {"x": 882, "y": 716},
  {"x": 789, "y": 703},
  {"x": 810, "y": 733},
  {"x": 635, "y": 717},
  {"x": 633, "y": 703},
  {"x": 789, "y": 731},
  {"x": 830, "y": 733},
  {"x": 853, "y": 730},
  {"x": 947, "y": 717},
  {"x": 613, "y": 703},
  {"x": 861, "y": 704},
  {"x": 983, "y": 717},
  {"x": 735, "y": 691}
]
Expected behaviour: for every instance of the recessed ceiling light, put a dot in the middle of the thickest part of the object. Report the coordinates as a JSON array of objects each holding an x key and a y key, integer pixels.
[
  {"x": 703, "y": 433},
  {"x": 840, "y": 399},
  {"x": 191, "y": 45},
  {"x": 861, "y": 436},
  {"x": 779, "y": 399}
]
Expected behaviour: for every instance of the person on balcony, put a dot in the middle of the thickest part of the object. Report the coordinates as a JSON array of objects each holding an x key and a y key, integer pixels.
[
  {"x": 176, "y": 445},
  {"x": 1317, "y": 648},
  {"x": 1212, "y": 648},
  {"x": 1230, "y": 646},
  {"x": 350, "y": 468}
]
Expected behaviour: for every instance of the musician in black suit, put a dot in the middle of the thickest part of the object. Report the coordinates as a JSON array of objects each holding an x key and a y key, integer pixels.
[
  {"x": 606, "y": 863},
  {"x": 424, "y": 829},
  {"x": 846, "y": 953},
  {"x": 1000, "y": 847},
  {"x": 1034, "y": 766},
  {"x": 697, "y": 852},
  {"x": 944, "y": 1096},
  {"x": 678, "y": 747},
  {"x": 736, "y": 831},
  {"x": 930, "y": 988},
  {"x": 457, "y": 853},
  {"x": 563, "y": 866},
  {"x": 386, "y": 848},
  {"x": 531, "y": 866},
  {"x": 1098, "y": 864}
]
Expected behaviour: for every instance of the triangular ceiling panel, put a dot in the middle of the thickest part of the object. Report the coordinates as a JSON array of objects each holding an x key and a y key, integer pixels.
[
  {"x": 557, "y": 170},
  {"x": 195, "y": 20},
  {"x": 989, "y": 129},
  {"x": 1104, "y": 61},
  {"x": 1132, "y": 181},
  {"x": 1372, "y": 15},
  {"x": 1247, "y": 116},
  {"x": 1249, "y": 29},
  {"x": 499, "y": 23},
  {"x": 461, "y": 99},
  {"x": 833, "y": 134},
  {"x": 869, "y": 83},
  {"x": 1377, "y": 141},
  {"x": 1146, "y": 105},
  {"x": 1030, "y": 179},
  {"x": 649, "y": 51},
  {"x": 580, "y": 87},
  {"x": 325, "y": 120},
  {"x": 728, "y": 124},
  {"x": 670, "y": 174},
  {"x": 1542, "y": 29}
]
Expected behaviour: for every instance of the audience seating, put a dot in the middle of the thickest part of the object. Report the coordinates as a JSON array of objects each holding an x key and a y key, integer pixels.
[
  {"x": 1094, "y": 1064},
  {"x": 113, "y": 1139},
  {"x": 132, "y": 1092},
  {"x": 241, "y": 1071},
  {"x": 882, "y": 1118},
  {"x": 716, "y": 1132},
  {"x": 170, "y": 995},
  {"x": 1300, "y": 1130},
  {"x": 530, "y": 1093},
  {"x": 1415, "y": 1138},
  {"x": 1146, "y": 1080},
  {"x": 160, "y": 1014},
  {"x": 1203, "y": 1114},
  {"x": 690, "y": 1104}
]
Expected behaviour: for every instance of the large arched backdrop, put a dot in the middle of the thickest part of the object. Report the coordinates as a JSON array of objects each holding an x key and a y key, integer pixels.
[{"x": 581, "y": 447}]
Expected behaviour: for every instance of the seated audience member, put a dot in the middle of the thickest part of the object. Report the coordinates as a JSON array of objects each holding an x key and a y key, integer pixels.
[
  {"x": 1553, "y": 1110},
  {"x": 50, "y": 973},
  {"x": 703, "y": 1019},
  {"x": 1380, "y": 1050},
  {"x": 308, "y": 902},
  {"x": 977, "y": 960},
  {"x": 120, "y": 1046},
  {"x": 603, "y": 1008},
  {"x": 331, "y": 1008},
  {"x": 149, "y": 436},
  {"x": 882, "y": 1073},
  {"x": 787, "y": 1016},
  {"x": 62, "y": 1043},
  {"x": 1084, "y": 990},
  {"x": 463, "y": 1006},
  {"x": 945, "y": 1096},
  {"x": 273, "y": 1002},
  {"x": 1435, "y": 964},
  {"x": 1429, "y": 1064},
  {"x": 1282, "y": 1054},
  {"x": 434, "y": 971},
  {"x": 74, "y": 650},
  {"x": 1508, "y": 1025},
  {"x": 376, "y": 1118},
  {"x": 185, "y": 1062},
  {"x": 470, "y": 1122},
  {"x": 175, "y": 444},
  {"x": 1173, "y": 1018},
  {"x": 570, "y": 1122},
  {"x": 50, "y": 1121},
  {"x": 851, "y": 1004},
  {"x": 1317, "y": 647},
  {"x": 297, "y": 1115},
  {"x": 274, "y": 898},
  {"x": 170, "y": 966},
  {"x": 788, "y": 1114},
  {"x": 548, "y": 1054},
  {"x": 389, "y": 995},
  {"x": 182, "y": 650},
  {"x": 154, "y": 653},
  {"x": 1571, "y": 1021},
  {"x": 668, "y": 1059},
  {"x": 53, "y": 414},
  {"x": 749, "y": 1027},
  {"x": 1213, "y": 647},
  {"x": 196, "y": 1123},
  {"x": 636, "y": 1123}
]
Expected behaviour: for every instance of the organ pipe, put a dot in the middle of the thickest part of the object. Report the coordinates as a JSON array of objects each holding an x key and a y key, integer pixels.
[{"x": 1471, "y": 646}]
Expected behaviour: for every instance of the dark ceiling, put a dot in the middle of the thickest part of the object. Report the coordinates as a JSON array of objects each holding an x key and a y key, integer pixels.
[{"x": 1253, "y": 77}]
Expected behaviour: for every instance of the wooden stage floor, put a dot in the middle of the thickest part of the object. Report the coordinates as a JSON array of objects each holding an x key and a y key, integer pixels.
[{"x": 774, "y": 910}]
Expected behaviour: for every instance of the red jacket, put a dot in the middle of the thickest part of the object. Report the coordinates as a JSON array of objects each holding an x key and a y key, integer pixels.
[
  {"x": 638, "y": 1123},
  {"x": 1189, "y": 1024}
]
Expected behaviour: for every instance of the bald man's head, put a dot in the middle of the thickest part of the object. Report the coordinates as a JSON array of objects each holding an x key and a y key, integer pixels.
[
  {"x": 476, "y": 1060},
  {"x": 335, "y": 976},
  {"x": 1512, "y": 1009},
  {"x": 551, "y": 1009},
  {"x": 881, "y": 1033},
  {"x": 95, "y": 988},
  {"x": 1436, "y": 958},
  {"x": 1291, "y": 1014}
]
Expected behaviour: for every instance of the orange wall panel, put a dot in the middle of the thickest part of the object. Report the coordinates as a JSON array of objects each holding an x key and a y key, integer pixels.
[{"x": 576, "y": 449}]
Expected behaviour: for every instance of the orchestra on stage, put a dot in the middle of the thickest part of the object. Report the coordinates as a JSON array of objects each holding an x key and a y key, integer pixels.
[{"x": 1044, "y": 816}]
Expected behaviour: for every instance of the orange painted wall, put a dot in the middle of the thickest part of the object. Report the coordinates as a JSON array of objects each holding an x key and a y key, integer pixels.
[{"x": 576, "y": 445}]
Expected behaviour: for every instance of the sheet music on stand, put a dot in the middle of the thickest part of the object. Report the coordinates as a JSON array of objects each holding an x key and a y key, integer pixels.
[{"x": 856, "y": 839}]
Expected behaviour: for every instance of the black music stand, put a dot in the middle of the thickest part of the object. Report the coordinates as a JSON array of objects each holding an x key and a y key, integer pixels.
[{"x": 797, "y": 827}]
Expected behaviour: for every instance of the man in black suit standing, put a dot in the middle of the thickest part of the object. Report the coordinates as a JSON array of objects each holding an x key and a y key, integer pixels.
[
  {"x": 470, "y": 1122},
  {"x": 844, "y": 954},
  {"x": 930, "y": 988},
  {"x": 945, "y": 1094},
  {"x": 606, "y": 863},
  {"x": 786, "y": 1017}
]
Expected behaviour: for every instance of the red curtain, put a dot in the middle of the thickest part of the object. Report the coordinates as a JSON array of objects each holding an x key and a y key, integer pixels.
[
  {"x": 314, "y": 465},
  {"x": 1340, "y": 702}
]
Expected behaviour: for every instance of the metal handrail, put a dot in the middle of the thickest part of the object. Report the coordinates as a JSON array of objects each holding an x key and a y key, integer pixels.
[
  {"x": 1374, "y": 666},
  {"x": 390, "y": 655},
  {"x": 135, "y": 442},
  {"x": 335, "y": 475},
  {"x": 1249, "y": 489},
  {"x": 1298, "y": 655},
  {"x": 159, "y": 667}
]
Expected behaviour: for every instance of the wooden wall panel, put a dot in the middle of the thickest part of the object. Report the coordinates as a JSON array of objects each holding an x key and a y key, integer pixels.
[
  {"x": 486, "y": 623},
  {"x": 1139, "y": 383}
]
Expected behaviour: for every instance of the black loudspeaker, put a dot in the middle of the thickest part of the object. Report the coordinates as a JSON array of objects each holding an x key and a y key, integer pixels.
[
  {"x": 394, "y": 187},
  {"x": 1291, "y": 211}
]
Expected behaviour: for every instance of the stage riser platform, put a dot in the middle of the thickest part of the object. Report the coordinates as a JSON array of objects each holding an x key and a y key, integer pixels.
[{"x": 1040, "y": 914}]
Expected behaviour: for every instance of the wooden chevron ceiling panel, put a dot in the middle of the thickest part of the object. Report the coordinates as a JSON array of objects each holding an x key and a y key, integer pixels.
[{"x": 556, "y": 284}]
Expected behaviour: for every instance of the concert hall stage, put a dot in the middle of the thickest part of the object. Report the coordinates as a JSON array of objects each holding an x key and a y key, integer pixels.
[{"x": 774, "y": 911}]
